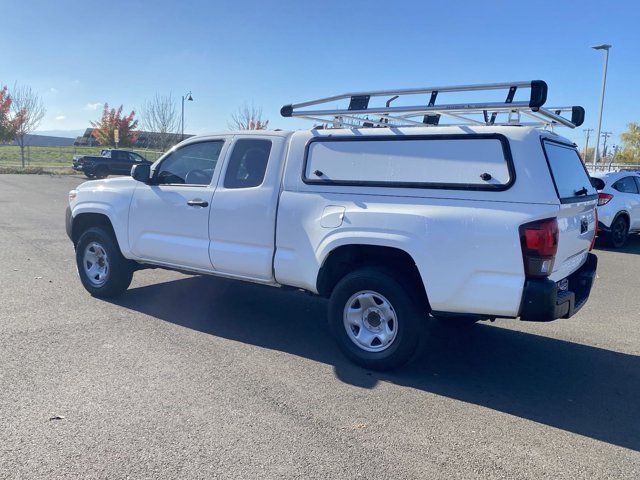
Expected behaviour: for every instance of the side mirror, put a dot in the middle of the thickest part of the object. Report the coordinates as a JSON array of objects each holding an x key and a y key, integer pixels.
[
  {"x": 141, "y": 172},
  {"x": 597, "y": 183}
]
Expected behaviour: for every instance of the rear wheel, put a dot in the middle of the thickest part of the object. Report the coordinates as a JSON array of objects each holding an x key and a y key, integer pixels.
[
  {"x": 619, "y": 232},
  {"x": 103, "y": 270},
  {"x": 374, "y": 319}
]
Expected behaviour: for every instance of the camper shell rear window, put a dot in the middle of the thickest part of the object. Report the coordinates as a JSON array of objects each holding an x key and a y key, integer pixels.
[
  {"x": 455, "y": 162},
  {"x": 570, "y": 177}
]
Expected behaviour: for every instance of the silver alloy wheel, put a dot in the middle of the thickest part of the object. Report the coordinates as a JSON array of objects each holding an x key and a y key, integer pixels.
[
  {"x": 370, "y": 321},
  {"x": 96, "y": 264}
]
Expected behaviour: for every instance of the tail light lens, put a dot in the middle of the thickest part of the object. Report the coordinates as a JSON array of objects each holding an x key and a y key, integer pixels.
[
  {"x": 539, "y": 242},
  {"x": 604, "y": 198}
]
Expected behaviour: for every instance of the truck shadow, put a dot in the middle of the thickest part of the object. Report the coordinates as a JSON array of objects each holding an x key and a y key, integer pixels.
[
  {"x": 632, "y": 246},
  {"x": 582, "y": 389}
]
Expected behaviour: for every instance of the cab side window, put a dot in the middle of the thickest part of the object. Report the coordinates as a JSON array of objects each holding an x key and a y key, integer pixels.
[
  {"x": 248, "y": 163},
  {"x": 192, "y": 164},
  {"x": 626, "y": 185}
]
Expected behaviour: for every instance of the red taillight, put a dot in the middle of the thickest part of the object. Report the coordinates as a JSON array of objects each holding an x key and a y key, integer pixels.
[
  {"x": 539, "y": 242},
  {"x": 595, "y": 230},
  {"x": 604, "y": 198}
]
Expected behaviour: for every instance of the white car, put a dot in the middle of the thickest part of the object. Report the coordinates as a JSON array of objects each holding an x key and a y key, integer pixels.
[
  {"x": 391, "y": 222},
  {"x": 618, "y": 206}
]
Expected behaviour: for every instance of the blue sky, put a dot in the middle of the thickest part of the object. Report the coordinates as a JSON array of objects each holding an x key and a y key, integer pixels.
[{"x": 78, "y": 55}]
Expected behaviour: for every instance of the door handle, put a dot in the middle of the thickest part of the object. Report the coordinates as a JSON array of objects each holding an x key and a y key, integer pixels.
[{"x": 197, "y": 203}]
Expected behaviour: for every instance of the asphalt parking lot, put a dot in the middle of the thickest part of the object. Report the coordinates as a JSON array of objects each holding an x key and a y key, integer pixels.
[{"x": 194, "y": 377}]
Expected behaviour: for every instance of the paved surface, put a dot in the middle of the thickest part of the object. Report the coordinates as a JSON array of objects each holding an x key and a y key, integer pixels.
[{"x": 191, "y": 377}]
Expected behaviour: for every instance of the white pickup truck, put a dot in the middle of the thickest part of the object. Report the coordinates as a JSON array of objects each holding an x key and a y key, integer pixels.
[{"x": 391, "y": 222}]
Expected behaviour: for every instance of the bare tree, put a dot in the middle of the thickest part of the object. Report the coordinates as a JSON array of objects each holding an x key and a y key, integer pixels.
[
  {"x": 160, "y": 115},
  {"x": 248, "y": 118},
  {"x": 28, "y": 110}
]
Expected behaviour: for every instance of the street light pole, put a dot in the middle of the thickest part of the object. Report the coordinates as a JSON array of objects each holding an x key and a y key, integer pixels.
[
  {"x": 605, "y": 47},
  {"x": 189, "y": 99}
]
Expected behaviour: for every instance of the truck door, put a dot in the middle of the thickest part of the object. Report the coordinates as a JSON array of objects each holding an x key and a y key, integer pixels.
[
  {"x": 169, "y": 219},
  {"x": 128, "y": 160},
  {"x": 243, "y": 212},
  {"x": 116, "y": 163}
]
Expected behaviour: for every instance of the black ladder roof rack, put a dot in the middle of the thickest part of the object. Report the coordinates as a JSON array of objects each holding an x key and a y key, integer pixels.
[{"x": 360, "y": 112}]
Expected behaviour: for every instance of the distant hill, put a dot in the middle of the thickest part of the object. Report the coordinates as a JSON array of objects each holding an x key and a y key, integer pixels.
[
  {"x": 44, "y": 141},
  {"x": 60, "y": 133}
]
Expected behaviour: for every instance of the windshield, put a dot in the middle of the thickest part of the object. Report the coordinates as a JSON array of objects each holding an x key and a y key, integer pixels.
[{"x": 570, "y": 176}]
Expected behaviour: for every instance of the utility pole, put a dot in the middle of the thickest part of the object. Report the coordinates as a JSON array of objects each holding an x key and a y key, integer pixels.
[
  {"x": 605, "y": 135},
  {"x": 586, "y": 144}
]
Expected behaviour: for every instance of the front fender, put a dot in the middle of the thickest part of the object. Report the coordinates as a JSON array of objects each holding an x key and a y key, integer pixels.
[
  {"x": 110, "y": 198},
  {"x": 118, "y": 223}
]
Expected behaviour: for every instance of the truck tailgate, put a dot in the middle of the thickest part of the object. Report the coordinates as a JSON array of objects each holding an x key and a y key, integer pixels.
[
  {"x": 577, "y": 228},
  {"x": 577, "y": 220}
]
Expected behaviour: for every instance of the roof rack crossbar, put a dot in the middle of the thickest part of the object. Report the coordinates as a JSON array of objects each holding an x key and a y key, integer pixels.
[{"x": 396, "y": 115}]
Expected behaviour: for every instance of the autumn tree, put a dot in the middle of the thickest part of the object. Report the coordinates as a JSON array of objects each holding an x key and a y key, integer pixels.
[
  {"x": 28, "y": 111},
  {"x": 248, "y": 118},
  {"x": 112, "y": 120},
  {"x": 160, "y": 115},
  {"x": 7, "y": 125}
]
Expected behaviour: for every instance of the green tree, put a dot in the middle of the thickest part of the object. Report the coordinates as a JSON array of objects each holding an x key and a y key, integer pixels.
[
  {"x": 630, "y": 144},
  {"x": 112, "y": 120}
]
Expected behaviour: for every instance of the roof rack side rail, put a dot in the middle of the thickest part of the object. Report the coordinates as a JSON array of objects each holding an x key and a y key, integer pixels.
[{"x": 360, "y": 110}]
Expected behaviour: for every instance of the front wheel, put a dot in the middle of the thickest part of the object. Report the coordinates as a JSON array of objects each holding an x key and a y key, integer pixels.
[
  {"x": 101, "y": 172},
  {"x": 103, "y": 271},
  {"x": 374, "y": 319}
]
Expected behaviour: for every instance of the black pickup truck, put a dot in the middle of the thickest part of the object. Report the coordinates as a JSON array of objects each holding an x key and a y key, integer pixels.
[{"x": 110, "y": 162}]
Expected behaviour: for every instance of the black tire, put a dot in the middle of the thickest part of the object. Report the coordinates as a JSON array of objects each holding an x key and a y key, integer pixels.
[
  {"x": 101, "y": 172},
  {"x": 119, "y": 269},
  {"x": 619, "y": 232},
  {"x": 405, "y": 306},
  {"x": 89, "y": 175}
]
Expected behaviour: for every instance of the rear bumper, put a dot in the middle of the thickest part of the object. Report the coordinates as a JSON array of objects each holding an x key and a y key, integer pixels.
[{"x": 542, "y": 301}]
